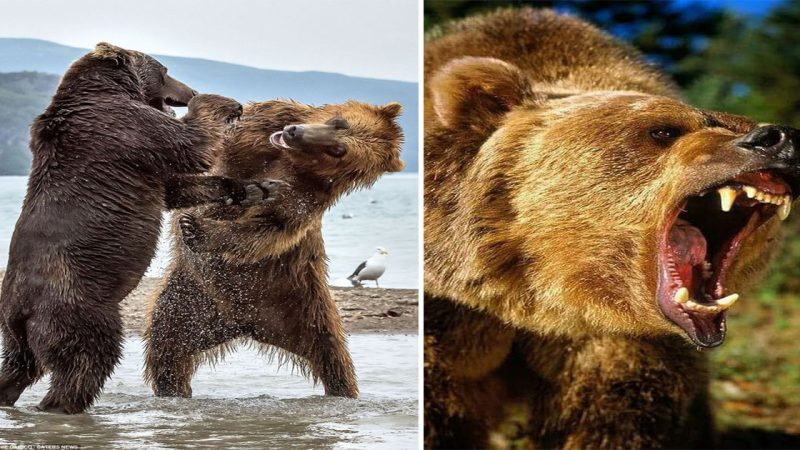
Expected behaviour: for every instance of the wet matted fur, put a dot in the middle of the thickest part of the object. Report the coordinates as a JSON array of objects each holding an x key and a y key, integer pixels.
[
  {"x": 259, "y": 274},
  {"x": 108, "y": 157}
]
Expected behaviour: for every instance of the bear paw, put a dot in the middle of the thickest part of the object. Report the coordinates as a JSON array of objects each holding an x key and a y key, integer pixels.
[
  {"x": 260, "y": 192},
  {"x": 221, "y": 109}
]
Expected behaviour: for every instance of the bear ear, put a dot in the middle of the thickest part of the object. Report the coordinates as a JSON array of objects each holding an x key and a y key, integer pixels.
[
  {"x": 391, "y": 110},
  {"x": 477, "y": 92},
  {"x": 105, "y": 50}
]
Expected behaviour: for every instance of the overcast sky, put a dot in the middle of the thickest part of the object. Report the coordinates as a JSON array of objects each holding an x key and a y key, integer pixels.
[{"x": 370, "y": 38}]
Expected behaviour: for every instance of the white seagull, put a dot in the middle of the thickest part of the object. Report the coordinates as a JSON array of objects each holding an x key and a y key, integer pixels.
[{"x": 371, "y": 269}]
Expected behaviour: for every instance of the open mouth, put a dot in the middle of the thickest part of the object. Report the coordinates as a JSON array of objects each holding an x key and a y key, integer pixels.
[
  {"x": 276, "y": 139},
  {"x": 165, "y": 104},
  {"x": 700, "y": 243},
  {"x": 162, "y": 105},
  {"x": 172, "y": 102}
]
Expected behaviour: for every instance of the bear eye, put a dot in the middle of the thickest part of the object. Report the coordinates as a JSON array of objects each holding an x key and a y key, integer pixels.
[
  {"x": 665, "y": 134},
  {"x": 339, "y": 123}
]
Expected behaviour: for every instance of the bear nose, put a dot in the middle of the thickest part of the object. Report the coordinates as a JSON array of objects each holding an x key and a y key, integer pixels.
[
  {"x": 773, "y": 141},
  {"x": 194, "y": 93},
  {"x": 294, "y": 131}
]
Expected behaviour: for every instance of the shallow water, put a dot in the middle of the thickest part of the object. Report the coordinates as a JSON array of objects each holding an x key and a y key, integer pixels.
[
  {"x": 243, "y": 402},
  {"x": 384, "y": 215}
]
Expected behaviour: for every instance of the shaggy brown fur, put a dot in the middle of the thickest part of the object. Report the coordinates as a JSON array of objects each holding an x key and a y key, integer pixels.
[
  {"x": 538, "y": 158},
  {"x": 260, "y": 273},
  {"x": 106, "y": 161}
]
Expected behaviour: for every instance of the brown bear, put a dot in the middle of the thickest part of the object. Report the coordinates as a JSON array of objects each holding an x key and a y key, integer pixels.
[
  {"x": 260, "y": 272},
  {"x": 585, "y": 232},
  {"x": 108, "y": 156}
]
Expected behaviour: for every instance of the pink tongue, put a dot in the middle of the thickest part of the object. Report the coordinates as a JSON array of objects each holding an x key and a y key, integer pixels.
[{"x": 688, "y": 247}]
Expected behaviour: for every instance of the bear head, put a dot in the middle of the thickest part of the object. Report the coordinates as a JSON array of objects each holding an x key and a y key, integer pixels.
[
  {"x": 136, "y": 73},
  {"x": 597, "y": 211},
  {"x": 350, "y": 144}
]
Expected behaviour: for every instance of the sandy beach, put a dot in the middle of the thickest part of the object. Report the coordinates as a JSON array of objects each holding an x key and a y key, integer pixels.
[{"x": 362, "y": 309}]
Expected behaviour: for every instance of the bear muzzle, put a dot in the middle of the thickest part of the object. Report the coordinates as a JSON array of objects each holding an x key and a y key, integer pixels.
[{"x": 780, "y": 144}]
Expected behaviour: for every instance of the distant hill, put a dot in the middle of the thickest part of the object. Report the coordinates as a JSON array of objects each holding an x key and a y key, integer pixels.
[
  {"x": 240, "y": 82},
  {"x": 23, "y": 96}
]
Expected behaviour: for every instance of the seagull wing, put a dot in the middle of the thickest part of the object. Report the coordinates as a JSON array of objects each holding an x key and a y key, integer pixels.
[{"x": 358, "y": 269}]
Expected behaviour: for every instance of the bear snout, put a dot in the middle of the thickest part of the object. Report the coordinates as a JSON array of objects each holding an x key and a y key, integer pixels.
[
  {"x": 294, "y": 131},
  {"x": 779, "y": 143}
]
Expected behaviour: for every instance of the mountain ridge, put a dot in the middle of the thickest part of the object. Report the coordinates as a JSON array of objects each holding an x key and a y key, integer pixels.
[{"x": 242, "y": 82}]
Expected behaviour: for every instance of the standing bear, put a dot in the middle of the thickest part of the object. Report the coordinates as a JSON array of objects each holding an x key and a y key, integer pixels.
[
  {"x": 108, "y": 157},
  {"x": 585, "y": 233},
  {"x": 260, "y": 272}
]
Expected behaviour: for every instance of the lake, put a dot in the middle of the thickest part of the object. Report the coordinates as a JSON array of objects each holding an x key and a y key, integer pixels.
[
  {"x": 385, "y": 215},
  {"x": 242, "y": 402}
]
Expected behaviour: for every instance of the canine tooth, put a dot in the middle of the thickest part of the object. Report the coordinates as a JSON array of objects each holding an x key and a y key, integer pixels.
[
  {"x": 701, "y": 308},
  {"x": 727, "y": 196},
  {"x": 750, "y": 191},
  {"x": 727, "y": 302},
  {"x": 681, "y": 295},
  {"x": 785, "y": 208}
]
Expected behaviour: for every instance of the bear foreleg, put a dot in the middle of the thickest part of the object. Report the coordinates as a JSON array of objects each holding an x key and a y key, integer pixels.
[
  {"x": 633, "y": 393},
  {"x": 186, "y": 191}
]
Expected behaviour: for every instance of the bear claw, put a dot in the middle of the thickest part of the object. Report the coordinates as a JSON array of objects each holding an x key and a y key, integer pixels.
[
  {"x": 264, "y": 191},
  {"x": 188, "y": 226}
]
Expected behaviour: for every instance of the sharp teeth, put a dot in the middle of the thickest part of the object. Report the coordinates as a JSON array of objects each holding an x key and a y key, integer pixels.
[
  {"x": 718, "y": 306},
  {"x": 727, "y": 196},
  {"x": 681, "y": 295},
  {"x": 727, "y": 302},
  {"x": 700, "y": 308},
  {"x": 785, "y": 208}
]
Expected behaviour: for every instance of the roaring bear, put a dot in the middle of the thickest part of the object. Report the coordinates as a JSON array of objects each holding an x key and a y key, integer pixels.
[
  {"x": 603, "y": 229},
  {"x": 260, "y": 272},
  {"x": 108, "y": 157}
]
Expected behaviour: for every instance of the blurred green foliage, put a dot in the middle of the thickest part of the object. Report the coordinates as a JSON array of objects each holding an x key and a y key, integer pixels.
[{"x": 722, "y": 60}]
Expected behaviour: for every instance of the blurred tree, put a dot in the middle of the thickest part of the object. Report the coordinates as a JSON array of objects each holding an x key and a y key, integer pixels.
[{"x": 752, "y": 68}]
